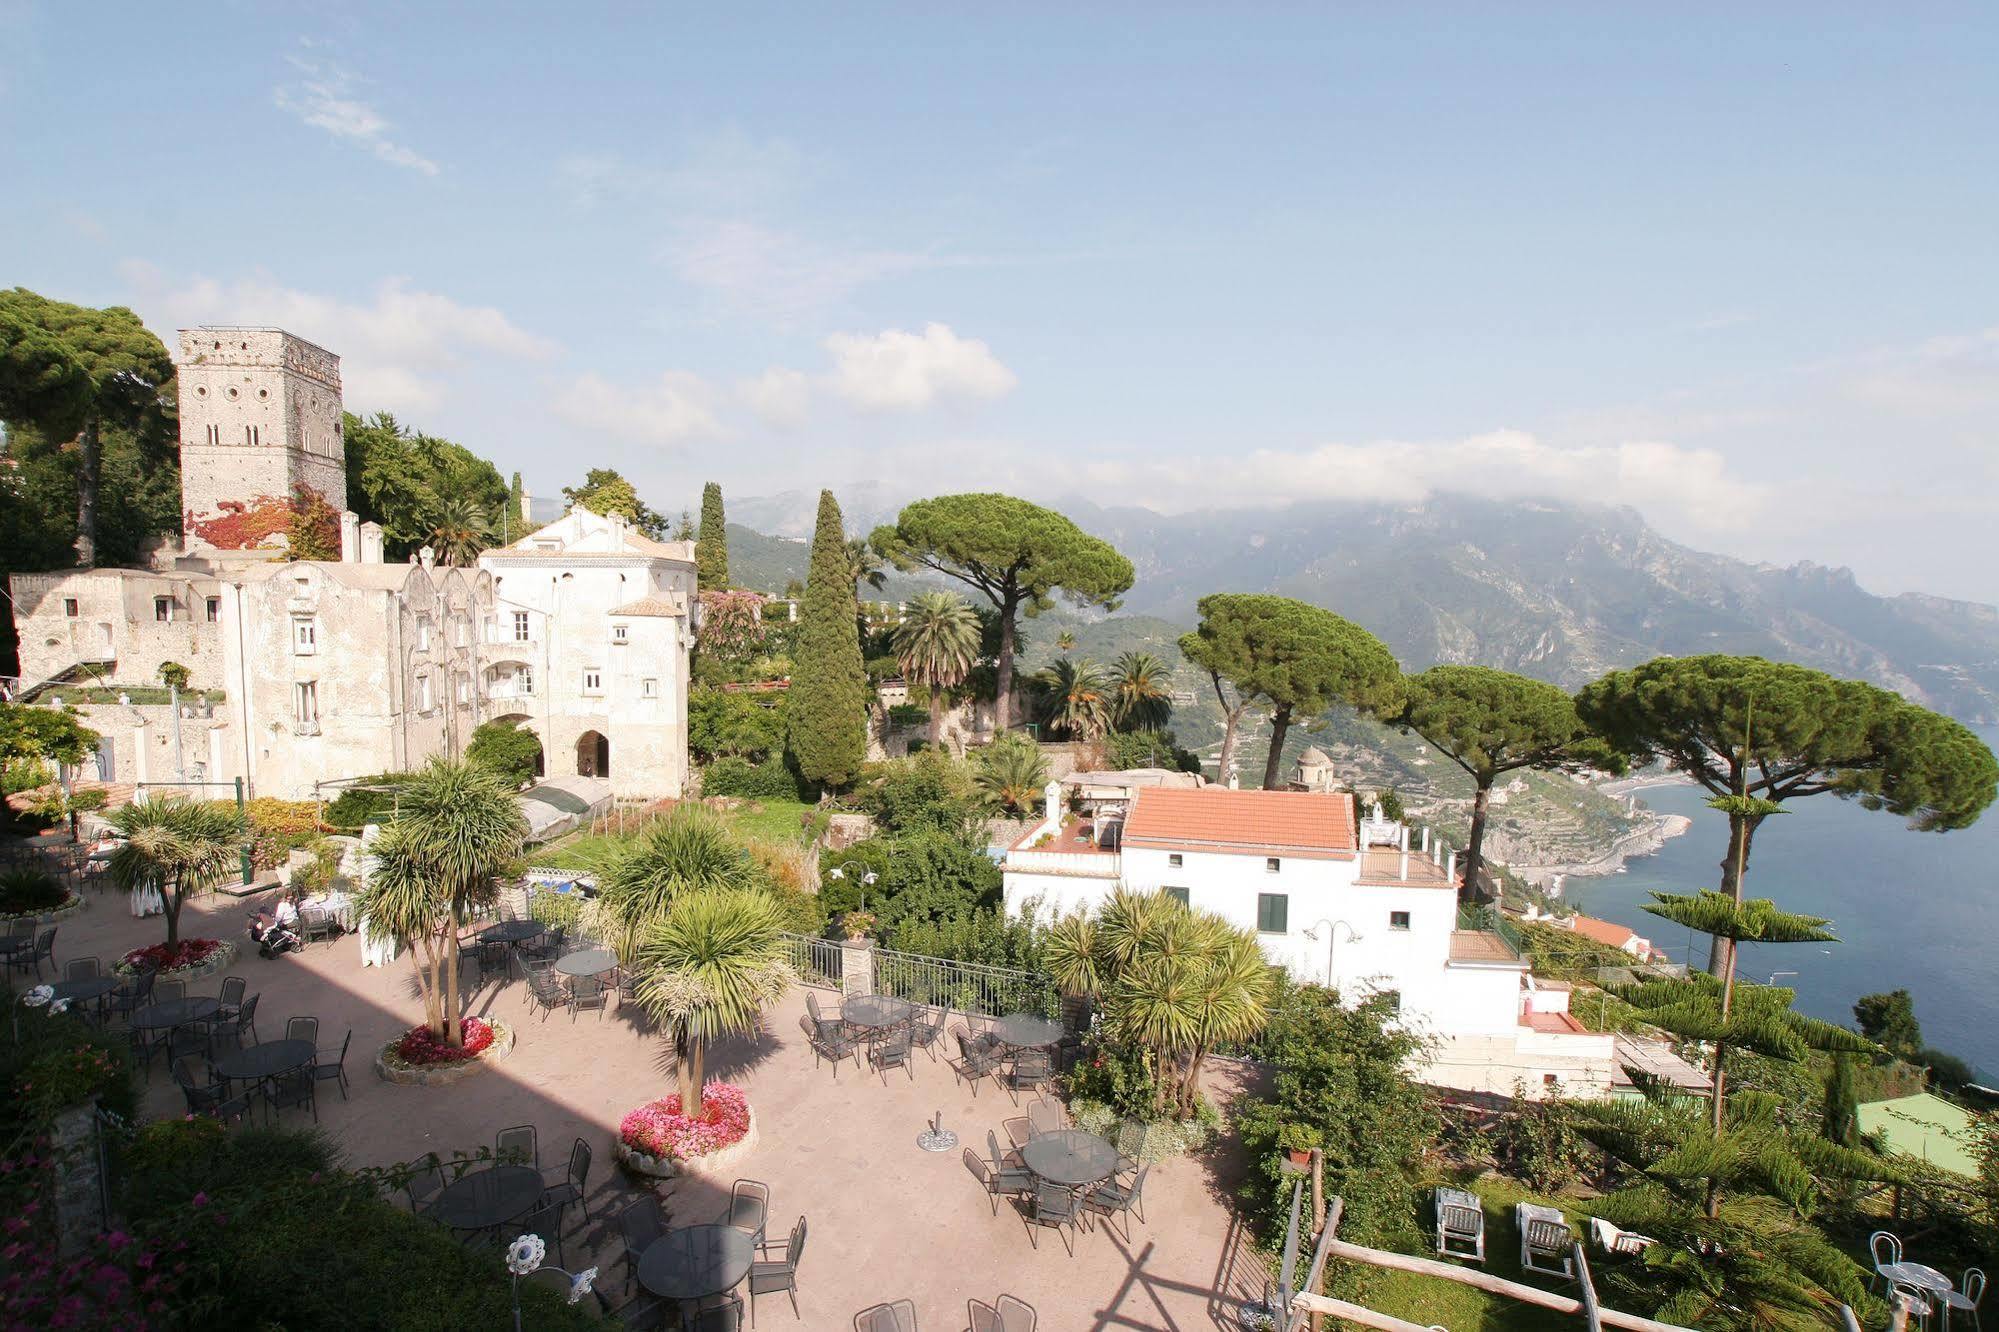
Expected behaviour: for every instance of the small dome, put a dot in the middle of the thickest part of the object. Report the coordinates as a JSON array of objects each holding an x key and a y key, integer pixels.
[{"x": 1313, "y": 757}]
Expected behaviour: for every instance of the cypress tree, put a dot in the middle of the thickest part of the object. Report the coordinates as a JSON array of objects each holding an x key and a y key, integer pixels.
[
  {"x": 827, "y": 709},
  {"x": 711, "y": 551}
]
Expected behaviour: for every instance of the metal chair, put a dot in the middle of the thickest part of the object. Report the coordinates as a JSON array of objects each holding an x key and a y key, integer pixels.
[
  {"x": 131, "y": 996},
  {"x": 639, "y": 1224},
  {"x": 81, "y": 968},
  {"x": 982, "y": 1316},
  {"x": 1043, "y": 1117},
  {"x": 573, "y": 1187},
  {"x": 974, "y": 1064},
  {"x": 209, "y": 1097},
  {"x": 1885, "y": 1248},
  {"x": 769, "y": 1276},
  {"x": 425, "y": 1184},
  {"x": 336, "y": 1069},
  {"x": 302, "y": 1029},
  {"x": 298, "y": 1087},
  {"x": 43, "y": 951},
  {"x": 926, "y": 1035},
  {"x": 1967, "y": 1297},
  {"x": 1111, "y": 1198},
  {"x": 233, "y": 990},
  {"x": 1053, "y": 1206},
  {"x": 749, "y": 1208},
  {"x": 998, "y": 1183},
  {"x": 517, "y": 1145},
  {"x": 230, "y": 1031},
  {"x": 1016, "y": 1315},
  {"x": 316, "y": 922},
  {"x": 830, "y": 1046},
  {"x": 897, "y": 1317},
  {"x": 546, "y": 993},
  {"x": 1460, "y": 1225},
  {"x": 726, "y": 1316},
  {"x": 588, "y": 992},
  {"x": 1031, "y": 1068},
  {"x": 169, "y": 991},
  {"x": 546, "y": 1221},
  {"x": 893, "y": 1053}
]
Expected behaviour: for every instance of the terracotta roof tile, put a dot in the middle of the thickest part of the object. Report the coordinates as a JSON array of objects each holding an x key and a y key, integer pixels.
[
  {"x": 1215, "y": 818},
  {"x": 1603, "y": 931},
  {"x": 658, "y": 606}
]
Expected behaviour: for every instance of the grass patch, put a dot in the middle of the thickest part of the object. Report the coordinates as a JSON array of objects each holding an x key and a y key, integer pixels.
[{"x": 771, "y": 821}]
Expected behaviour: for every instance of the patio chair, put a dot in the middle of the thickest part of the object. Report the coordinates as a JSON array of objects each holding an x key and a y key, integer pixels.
[
  {"x": 829, "y": 1045},
  {"x": 32, "y": 958},
  {"x": 1016, "y": 1315},
  {"x": 545, "y": 1221},
  {"x": 190, "y": 1038},
  {"x": 588, "y": 992},
  {"x": 1043, "y": 1116},
  {"x": 302, "y": 1029},
  {"x": 892, "y": 1053},
  {"x": 1018, "y": 1131},
  {"x": 897, "y": 1317},
  {"x": 517, "y": 1146},
  {"x": 546, "y": 945},
  {"x": 1967, "y": 1297},
  {"x": 231, "y": 997},
  {"x": 316, "y": 922},
  {"x": 1885, "y": 1248},
  {"x": 749, "y": 1208},
  {"x": 925, "y": 1035},
  {"x": 983, "y": 1317},
  {"x": 208, "y": 1096},
  {"x": 1545, "y": 1241},
  {"x": 1111, "y": 1198},
  {"x": 974, "y": 1064},
  {"x": 771, "y": 1275},
  {"x": 81, "y": 968},
  {"x": 229, "y": 1031},
  {"x": 640, "y": 1223},
  {"x": 998, "y": 1183},
  {"x": 819, "y": 1019},
  {"x": 1460, "y": 1225},
  {"x": 1053, "y": 1206},
  {"x": 425, "y": 1184},
  {"x": 324, "y": 1070},
  {"x": 1031, "y": 1068},
  {"x": 169, "y": 992},
  {"x": 575, "y": 1183},
  {"x": 297, "y": 1087},
  {"x": 726, "y": 1316},
  {"x": 131, "y": 996},
  {"x": 493, "y": 957},
  {"x": 1616, "y": 1242},
  {"x": 546, "y": 992}
]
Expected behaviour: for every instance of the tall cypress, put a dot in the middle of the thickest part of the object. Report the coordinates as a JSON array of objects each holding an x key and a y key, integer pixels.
[
  {"x": 711, "y": 551},
  {"x": 827, "y": 709}
]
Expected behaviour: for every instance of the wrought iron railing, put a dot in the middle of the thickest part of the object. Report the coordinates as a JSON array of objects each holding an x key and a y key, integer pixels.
[
  {"x": 1492, "y": 920},
  {"x": 817, "y": 961},
  {"x": 965, "y": 987}
]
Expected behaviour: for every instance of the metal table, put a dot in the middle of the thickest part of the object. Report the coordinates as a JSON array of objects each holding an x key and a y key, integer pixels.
[
  {"x": 1025, "y": 1031},
  {"x": 875, "y": 1011},
  {"x": 83, "y": 991},
  {"x": 487, "y": 1198},
  {"x": 176, "y": 1012},
  {"x": 266, "y": 1060},
  {"x": 1070, "y": 1157},
  {"x": 511, "y": 931},
  {"x": 695, "y": 1262},
  {"x": 588, "y": 962},
  {"x": 1923, "y": 1277},
  {"x": 11, "y": 944}
]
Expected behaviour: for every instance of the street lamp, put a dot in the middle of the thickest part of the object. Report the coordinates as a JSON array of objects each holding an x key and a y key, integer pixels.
[{"x": 1312, "y": 932}]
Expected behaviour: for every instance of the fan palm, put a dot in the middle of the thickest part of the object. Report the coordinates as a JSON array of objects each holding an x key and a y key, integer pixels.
[
  {"x": 459, "y": 530},
  {"x": 180, "y": 847},
  {"x": 1075, "y": 698},
  {"x": 708, "y": 968},
  {"x": 1141, "y": 692},
  {"x": 1010, "y": 772},
  {"x": 867, "y": 563},
  {"x": 690, "y": 850},
  {"x": 936, "y": 645}
]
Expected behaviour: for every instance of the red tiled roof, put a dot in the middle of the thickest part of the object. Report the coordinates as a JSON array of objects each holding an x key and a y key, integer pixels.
[
  {"x": 1603, "y": 931},
  {"x": 1555, "y": 1024},
  {"x": 1215, "y": 818}
]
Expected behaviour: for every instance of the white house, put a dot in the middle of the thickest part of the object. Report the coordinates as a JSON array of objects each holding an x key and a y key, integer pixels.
[{"x": 1335, "y": 901}]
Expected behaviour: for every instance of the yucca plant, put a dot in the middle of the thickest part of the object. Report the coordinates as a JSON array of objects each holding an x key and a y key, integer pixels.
[
  {"x": 690, "y": 850},
  {"x": 708, "y": 967},
  {"x": 180, "y": 847}
]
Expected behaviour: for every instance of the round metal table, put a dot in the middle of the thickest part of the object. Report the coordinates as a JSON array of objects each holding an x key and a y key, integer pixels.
[
  {"x": 875, "y": 1011},
  {"x": 266, "y": 1060},
  {"x": 512, "y": 931},
  {"x": 695, "y": 1262},
  {"x": 83, "y": 991},
  {"x": 176, "y": 1012},
  {"x": 1070, "y": 1157},
  {"x": 486, "y": 1198},
  {"x": 589, "y": 962},
  {"x": 1919, "y": 1276},
  {"x": 1025, "y": 1031}
]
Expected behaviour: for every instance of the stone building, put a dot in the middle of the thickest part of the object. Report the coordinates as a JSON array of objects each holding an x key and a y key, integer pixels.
[{"x": 335, "y": 669}]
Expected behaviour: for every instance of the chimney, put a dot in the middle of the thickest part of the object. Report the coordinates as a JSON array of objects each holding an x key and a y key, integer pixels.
[
  {"x": 1053, "y": 793},
  {"x": 371, "y": 543},
  {"x": 350, "y": 537}
]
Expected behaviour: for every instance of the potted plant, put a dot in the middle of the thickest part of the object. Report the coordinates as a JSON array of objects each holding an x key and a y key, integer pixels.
[
  {"x": 857, "y": 925},
  {"x": 1298, "y": 1140}
]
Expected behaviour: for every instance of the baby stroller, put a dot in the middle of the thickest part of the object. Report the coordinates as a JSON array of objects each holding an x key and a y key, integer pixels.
[{"x": 273, "y": 937}]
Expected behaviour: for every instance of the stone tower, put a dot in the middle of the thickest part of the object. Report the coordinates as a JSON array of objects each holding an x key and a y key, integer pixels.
[{"x": 259, "y": 423}]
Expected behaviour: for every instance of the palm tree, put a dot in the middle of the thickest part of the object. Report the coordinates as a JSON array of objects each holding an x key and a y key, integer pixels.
[
  {"x": 936, "y": 645},
  {"x": 1075, "y": 698},
  {"x": 406, "y": 900},
  {"x": 459, "y": 825},
  {"x": 1010, "y": 772},
  {"x": 1141, "y": 692},
  {"x": 690, "y": 850},
  {"x": 459, "y": 530},
  {"x": 867, "y": 562},
  {"x": 1065, "y": 641},
  {"x": 180, "y": 847},
  {"x": 709, "y": 967}
]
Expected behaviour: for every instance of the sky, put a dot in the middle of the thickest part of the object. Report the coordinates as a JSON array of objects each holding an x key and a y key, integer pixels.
[{"x": 1735, "y": 266}]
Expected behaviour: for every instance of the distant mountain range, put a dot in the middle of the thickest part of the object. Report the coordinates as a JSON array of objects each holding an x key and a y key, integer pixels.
[{"x": 1562, "y": 592}]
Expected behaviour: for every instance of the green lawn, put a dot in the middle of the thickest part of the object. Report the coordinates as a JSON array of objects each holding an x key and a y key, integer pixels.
[{"x": 769, "y": 821}]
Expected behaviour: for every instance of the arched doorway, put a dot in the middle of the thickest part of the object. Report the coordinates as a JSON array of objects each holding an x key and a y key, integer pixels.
[{"x": 593, "y": 755}]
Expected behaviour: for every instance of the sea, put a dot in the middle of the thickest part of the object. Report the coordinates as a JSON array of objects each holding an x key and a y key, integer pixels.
[{"x": 1914, "y": 911}]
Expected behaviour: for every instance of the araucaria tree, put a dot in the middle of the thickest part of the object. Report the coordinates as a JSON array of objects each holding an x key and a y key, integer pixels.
[
  {"x": 828, "y": 704},
  {"x": 708, "y": 968},
  {"x": 179, "y": 847},
  {"x": 936, "y": 645},
  {"x": 1756, "y": 733},
  {"x": 1491, "y": 723},
  {"x": 70, "y": 371},
  {"x": 1298, "y": 658},
  {"x": 1018, "y": 555},
  {"x": 711, "y": 550}
]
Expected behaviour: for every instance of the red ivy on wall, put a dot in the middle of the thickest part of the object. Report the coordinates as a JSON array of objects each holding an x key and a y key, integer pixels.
[{"x": 250, "y": 526}]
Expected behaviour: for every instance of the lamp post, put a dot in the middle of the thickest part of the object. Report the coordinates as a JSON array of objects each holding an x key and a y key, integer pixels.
[
  {"x": 1333, "y": 927},
  {"x": 524, "y": 1258}
]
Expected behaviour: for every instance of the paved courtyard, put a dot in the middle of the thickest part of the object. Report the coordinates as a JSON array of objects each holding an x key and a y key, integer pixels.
[{"x": 887, "y": 1220}]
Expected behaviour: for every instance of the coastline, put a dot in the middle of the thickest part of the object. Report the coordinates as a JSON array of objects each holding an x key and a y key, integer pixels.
[{"x": 1642, "y": 841}]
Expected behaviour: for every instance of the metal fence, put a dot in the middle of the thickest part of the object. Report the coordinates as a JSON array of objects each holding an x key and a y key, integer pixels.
[
  {"x": 966, "y": 987},
  {"x": 1491, "y": 919},
  {"x": 817, "y": 961}
]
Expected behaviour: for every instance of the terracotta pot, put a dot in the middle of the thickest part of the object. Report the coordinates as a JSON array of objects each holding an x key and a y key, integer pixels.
[{"x": 1299, "y": 1158}]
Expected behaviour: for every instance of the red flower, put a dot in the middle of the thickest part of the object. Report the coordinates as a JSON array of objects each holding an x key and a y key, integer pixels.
[{"x": 420, "y": 1045}]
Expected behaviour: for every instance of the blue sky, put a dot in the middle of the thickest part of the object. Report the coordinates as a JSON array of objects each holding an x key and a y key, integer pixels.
[{"x": 1736, "y": 271}]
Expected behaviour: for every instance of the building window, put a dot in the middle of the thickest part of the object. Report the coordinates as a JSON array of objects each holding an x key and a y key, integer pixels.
[
  {"x": 1273, "y": 913},
  {"x": 524, "y": 679},
  {"x": 458, "y": 632},
  {"x": 520, "y": 626},
  {"x": 70, "y": 608},
  {"x": 305, "y": 702},
  {"x": 163, "y": 609},
  {"x": 214, "y": 609},
  {"x": 620, "y": 633},
  {"x": 464, "y": 689},
  {"x": 1272, "y": 864},
  {"x": 305, "y": 637},
  {"x": 249, "y": 434},
  {"x": 649, "y": 688},
  {"x": 1177, "y": 894},
  {"x": 423, "y": 699},
  {"x": 1551, "y": 1080},
  {"x": 1398, "y": 920},
  {"x": 423, "y": 635},
  {"x": 593, "y": 680},
  {"x": 215, "y": 434},
  {"x": 1173, "y": 860}
]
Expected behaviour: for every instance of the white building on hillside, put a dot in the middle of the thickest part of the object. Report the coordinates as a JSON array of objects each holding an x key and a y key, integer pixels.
[{"x": 1334, "y": 901}]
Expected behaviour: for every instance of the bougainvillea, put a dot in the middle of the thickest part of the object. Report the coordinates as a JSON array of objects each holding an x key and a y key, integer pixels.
[
  {"x": 169, "y": 957},
  {"x": 422, "y": 1046},
  {"x": 732, "y": 624},
  {"x": 657, "y": 1128}
]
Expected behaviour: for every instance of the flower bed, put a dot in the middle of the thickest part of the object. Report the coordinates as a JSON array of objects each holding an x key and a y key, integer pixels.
[
  {"x": 68, "y": 906},
  {"x": 658, "y": 1140},
  {"x": 418, "y": 1059},
  {"x": 188, "y": 959}
]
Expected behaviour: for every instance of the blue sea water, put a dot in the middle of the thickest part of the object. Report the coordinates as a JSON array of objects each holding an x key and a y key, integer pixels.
[{"x": 1914, "y": 911}]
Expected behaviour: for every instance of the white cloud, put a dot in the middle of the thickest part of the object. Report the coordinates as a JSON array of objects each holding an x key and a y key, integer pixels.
[
  {"x": 777, "y": 275},
  {"x": 780, "y": 398},
  {"x": 896, "y": 370},
  {"x": 675, "y": 407},
  {"x": 1942, "y": 376},
  {"x": 323, "y": 97},
  {"x": 395, "y": 349}
]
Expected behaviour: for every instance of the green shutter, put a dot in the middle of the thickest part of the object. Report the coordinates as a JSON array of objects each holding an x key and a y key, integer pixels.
[
  {"x": 1273, "y": 913},
  {"x": 1177, "y": 894}
]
